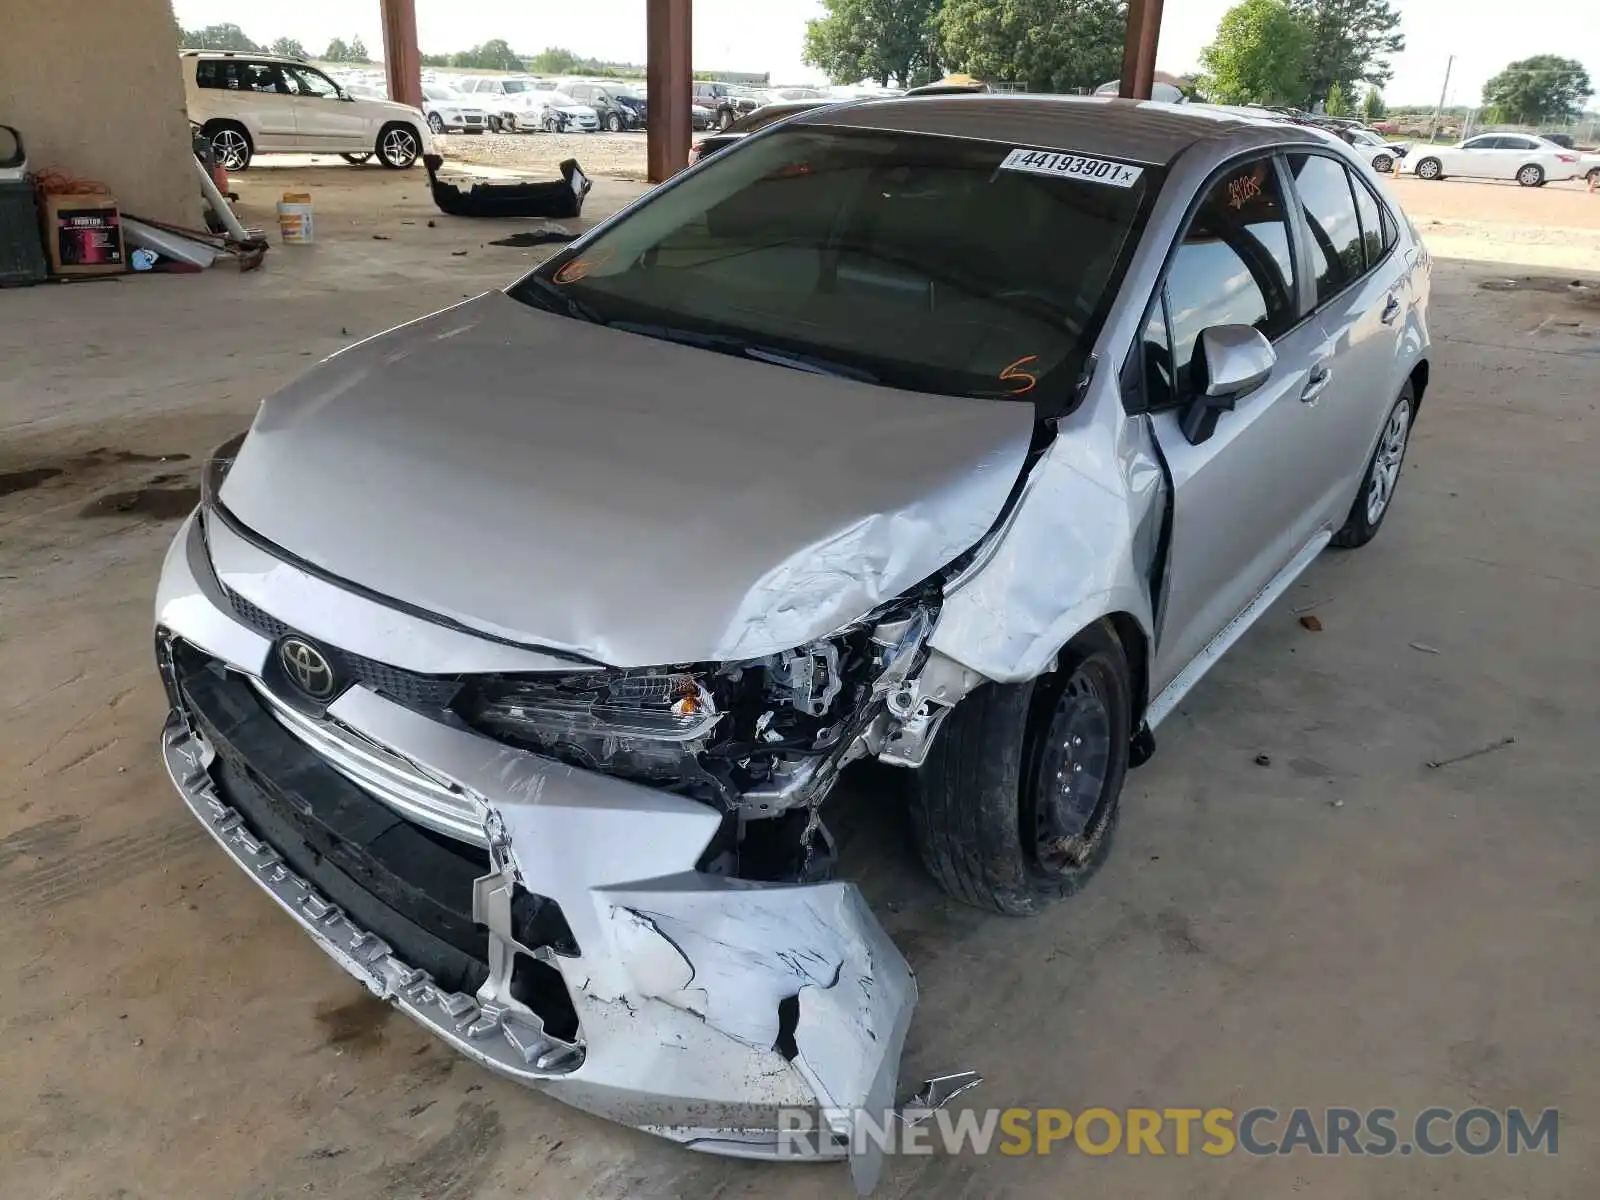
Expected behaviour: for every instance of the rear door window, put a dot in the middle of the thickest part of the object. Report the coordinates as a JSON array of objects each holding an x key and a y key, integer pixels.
[
  {"x": 1233, "y": 266},
  {"x": 1336, "y": 254},
  {"x": 1373, "y": 239}
]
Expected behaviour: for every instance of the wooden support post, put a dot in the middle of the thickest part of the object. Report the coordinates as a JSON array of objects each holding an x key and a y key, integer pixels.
[
  {"x": 670, "y": 71},
  {"x": 402, "y": 60},
  {"x": 1139, "y": 49}
]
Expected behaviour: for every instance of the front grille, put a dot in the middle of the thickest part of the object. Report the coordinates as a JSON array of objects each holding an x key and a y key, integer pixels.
[{"x": 410, "y": 688}]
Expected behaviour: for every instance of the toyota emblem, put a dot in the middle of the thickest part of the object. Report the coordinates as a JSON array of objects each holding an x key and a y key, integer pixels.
[{"x": 307, "y": 667}]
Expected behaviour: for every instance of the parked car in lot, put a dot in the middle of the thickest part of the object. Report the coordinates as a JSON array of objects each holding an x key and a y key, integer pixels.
[
  {"x": 609, "y": 105},
  {"x": 771, "y": 114},
  {"x": 511, "y": 101},
  {"x": 448, "y": 110},
  {"x": 557, "y": 112},
  {"x": 1382, "y": 154},
  {"x": 962, "y": 433},
  {"x": 1531, "y": 161},
  {"x": 249, "y": 104},
  {"x": 701, "y": 117},
  {"x": 726, "y": 102}
]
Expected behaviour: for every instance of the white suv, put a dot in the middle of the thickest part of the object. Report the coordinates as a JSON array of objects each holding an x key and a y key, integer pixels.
[{"x": 250, "y": 104}]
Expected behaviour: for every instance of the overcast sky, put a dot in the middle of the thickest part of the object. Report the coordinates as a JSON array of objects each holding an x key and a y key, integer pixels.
[{"x": 765, "y": 35}]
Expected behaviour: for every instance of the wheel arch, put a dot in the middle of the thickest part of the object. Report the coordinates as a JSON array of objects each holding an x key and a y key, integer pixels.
[{"x": 1419, "y": 382}]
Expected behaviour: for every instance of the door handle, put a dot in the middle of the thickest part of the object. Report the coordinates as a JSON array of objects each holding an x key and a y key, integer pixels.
[
  {"x": 1317, "y": 383},
  {"x": 1391, "y": 309}
]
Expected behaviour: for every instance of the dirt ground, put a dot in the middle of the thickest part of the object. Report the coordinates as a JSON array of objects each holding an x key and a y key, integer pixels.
[{"x": 1342, "y": 926}]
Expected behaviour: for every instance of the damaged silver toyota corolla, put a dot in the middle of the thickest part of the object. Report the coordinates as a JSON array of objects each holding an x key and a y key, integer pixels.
[{"x": 515, "y": 650}]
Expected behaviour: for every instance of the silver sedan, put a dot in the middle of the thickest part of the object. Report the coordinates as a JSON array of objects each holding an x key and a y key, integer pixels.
[{"x": 515, "y": 651}]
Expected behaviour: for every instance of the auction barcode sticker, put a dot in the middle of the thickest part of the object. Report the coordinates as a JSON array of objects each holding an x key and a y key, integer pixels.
[{"x": 1073, "y": 166}]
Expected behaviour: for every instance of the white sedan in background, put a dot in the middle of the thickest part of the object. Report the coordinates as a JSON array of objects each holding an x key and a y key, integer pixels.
[
  {"x": 1531, "y": 161},
  {"x": 1385, "y": 156}
]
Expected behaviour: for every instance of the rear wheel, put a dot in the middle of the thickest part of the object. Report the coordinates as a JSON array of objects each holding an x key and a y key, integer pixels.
[
  {"x": 1429, "y": 168},
  {"x": 1016, "y": 803},
  {"x": 1593, "y": 177},
  {"x": 1531, "y": 175},
  {"x": 1383, "y": 163},
  {"x": 1378, "y": 486},
  {"x": 230, "y": 145},
  {"x": 398, "y": 146}
]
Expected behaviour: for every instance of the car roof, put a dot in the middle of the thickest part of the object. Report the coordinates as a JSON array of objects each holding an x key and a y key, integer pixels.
[
  {"x": 250, "y": 54},
  {"x": 1145, "y": 131}
]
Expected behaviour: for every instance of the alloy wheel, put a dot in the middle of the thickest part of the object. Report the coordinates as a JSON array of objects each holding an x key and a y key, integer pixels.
[
  {"x": 1428, "y": 169},
  {"x": 436, "y": 122},
  {"x": 1530, "y": 176},
  {"x": 1383, "y": 163},
  {"x": 399, "y": 147},
  {"x": 1388, "y": 460},
  {"x": 231, "y": 148}
]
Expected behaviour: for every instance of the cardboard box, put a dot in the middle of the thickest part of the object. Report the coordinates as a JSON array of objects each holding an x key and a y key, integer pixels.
[{"x": 83, "y": 234}]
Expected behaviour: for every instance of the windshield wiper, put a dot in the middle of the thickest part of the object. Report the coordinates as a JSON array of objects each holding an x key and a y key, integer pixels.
[{"x": 728, "y": 343}]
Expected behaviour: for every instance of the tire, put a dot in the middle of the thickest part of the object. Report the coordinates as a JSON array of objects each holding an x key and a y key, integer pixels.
[
  {"x": 398, "y": 146},
  {"x": 1383, "y": 163},
  {"x": 1593, "y": 177},
  {"x": 550, "y": 125},
  {"x": 1531, "y": 175},
  {"x": 1430, "y": 168},
  {"x": 230, "y": 145},
  {"x": 613, "y": 123},
  {"x": 436, "y": 122},
  {"x": 724, "y": 118},
  {"x": 496, "y": 125},
  {"x": 988, "y": 815},
  {"x": 356, "y": 160},
  {"x": 1376, "y": 497}
]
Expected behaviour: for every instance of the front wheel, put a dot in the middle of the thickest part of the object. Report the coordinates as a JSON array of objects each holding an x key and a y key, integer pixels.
[
  {"x": 1378, "y": 486},
  {"x": 1015, "y": 805},
  {"x": 724, "y": 119},
  {"x": 1429, "y": 168},
  {"x": 398, "y": 147},
  {"x": 436, "y": 122},
  {"x": 1384, "y": 163},
  {"x": 614, "y": 123},
  {"x": 496, "y": 125},
  {"x": 1531, "y": 175}
]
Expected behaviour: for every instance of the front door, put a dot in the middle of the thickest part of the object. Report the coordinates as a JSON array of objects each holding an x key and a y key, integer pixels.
[
  {"x": 1246, "y": 499},
  {"x": 323, "y": 118}
]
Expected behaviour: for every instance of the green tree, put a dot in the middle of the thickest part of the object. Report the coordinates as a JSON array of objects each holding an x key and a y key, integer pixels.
[
  {"x": 1537, "y": 90},
  {"x": 1045, "y": 45},
  {"x": 494, "y": 55},
  {"x": 1351, "y": 43},
  {"x": 358, "y": 50},
  {"x": 1335, "y": 105},
  {"x": 337, "y": 51},
  {"x": 218, "y": 37},
  {"x": 1373, "y": 107},
  {"x": 554, "y": 60},
  {"x": 1259, "y": 56},
  {"x": 434, "y": 60},
  {"x": 875, "y": 39},
  {"x": 289, "y": 47}
]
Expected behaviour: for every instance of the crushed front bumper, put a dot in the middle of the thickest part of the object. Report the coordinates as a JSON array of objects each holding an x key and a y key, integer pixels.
[{"x": 704, "y": 1006}]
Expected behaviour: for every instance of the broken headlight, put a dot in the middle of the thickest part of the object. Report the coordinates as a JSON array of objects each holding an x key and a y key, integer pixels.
[{"x": 639, "y": 724}]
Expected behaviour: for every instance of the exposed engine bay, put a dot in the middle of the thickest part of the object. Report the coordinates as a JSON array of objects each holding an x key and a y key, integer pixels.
[{"x": 761, "y": 741}]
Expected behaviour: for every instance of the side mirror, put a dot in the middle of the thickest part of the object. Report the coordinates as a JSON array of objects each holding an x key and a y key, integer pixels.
[{"x": 1230, "y": 362}]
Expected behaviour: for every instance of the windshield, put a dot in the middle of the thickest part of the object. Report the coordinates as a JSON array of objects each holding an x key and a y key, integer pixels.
[{"x": 944, "y": 265}]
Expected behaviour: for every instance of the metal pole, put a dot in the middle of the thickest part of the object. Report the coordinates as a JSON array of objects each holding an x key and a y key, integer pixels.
[
  {"x": 1433, "y": 129},
  {"x": 1139, "y": 49},
  {"x": 402, "y": 60},
  {"x": 669, "y": 36}
]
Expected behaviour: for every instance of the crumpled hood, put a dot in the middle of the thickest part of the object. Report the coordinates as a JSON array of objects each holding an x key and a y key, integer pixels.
[{"x": 635, "y": 501}]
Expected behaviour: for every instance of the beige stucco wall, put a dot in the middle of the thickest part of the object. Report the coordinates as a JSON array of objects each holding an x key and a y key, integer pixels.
[{"x": 94, "y": 87}]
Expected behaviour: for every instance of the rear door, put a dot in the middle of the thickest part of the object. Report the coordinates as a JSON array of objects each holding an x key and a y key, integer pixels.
[
  {"x": 1363, "y": 293},
  {"x": 1246, "y": 500}
]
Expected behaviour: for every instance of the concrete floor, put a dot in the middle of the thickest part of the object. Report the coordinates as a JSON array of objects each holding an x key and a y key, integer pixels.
[{"x": 1343, "y": 927}]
